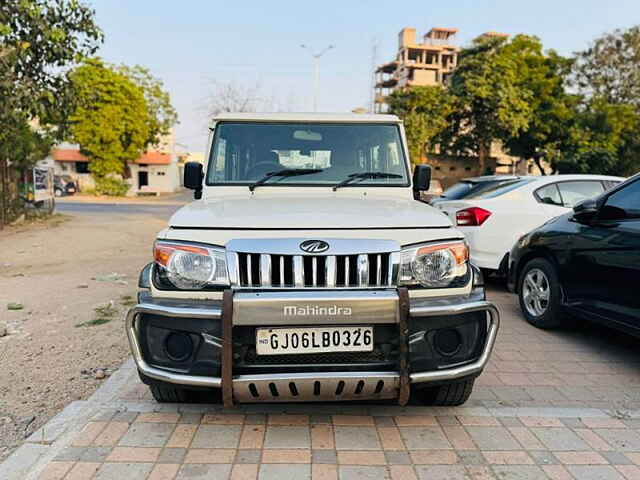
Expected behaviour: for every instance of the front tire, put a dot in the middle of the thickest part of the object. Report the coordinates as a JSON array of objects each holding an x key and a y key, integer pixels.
[
  {"x": 540, "y": 294},
  {"x": 447, "y": 395}
]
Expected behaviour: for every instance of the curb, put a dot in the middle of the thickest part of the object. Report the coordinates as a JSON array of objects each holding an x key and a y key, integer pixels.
[{"x": 43, "y": 445}]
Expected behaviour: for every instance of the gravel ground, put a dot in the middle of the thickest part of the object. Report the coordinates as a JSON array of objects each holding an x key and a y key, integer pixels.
[{"x": 58, "y": 347}]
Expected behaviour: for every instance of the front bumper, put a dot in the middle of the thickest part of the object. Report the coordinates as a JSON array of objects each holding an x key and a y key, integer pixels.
[{"x": 340, "y": 382}]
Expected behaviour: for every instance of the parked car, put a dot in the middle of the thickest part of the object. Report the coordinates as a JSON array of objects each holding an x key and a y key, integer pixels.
[
  {"x": 469, "y": 186},
  {"x": 494, "y": 218},
  {"x": 64, "y": 185},
  {"x": 306, "y": 271},
  {"x": 585, "y": 262}
]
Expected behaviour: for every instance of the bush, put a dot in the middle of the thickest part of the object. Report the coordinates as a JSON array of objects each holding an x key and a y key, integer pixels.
[{"x": 111, "y": 186}]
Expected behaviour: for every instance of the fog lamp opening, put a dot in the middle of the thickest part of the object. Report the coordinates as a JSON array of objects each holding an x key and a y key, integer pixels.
[
  {"x": 447, "y": 341},
  {"x": 178, "y": 346}
]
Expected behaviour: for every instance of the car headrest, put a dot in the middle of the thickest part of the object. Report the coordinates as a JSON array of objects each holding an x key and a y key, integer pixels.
[{"x": 273, "y": 157}]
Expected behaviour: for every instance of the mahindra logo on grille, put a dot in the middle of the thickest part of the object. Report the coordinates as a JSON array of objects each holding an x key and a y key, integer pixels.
[
  {"x": 316, "y": 310},
  {"x": 314, "y": 246}
]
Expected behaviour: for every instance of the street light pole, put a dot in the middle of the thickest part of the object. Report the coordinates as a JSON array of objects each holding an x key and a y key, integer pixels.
[
  {"x": 316, "y": 72},
  {"x": 316, "y": 81}
]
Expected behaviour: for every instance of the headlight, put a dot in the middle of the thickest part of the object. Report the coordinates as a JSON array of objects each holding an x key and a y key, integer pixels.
[
  {"x": 191, "y": 267},
  {"x": 443, "y": 265}
]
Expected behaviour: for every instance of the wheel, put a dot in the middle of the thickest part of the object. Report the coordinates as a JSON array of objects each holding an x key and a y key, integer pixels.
[
  {"x": 57, "y": 192},
  {"x": 540, "y": 294},
  {"x": 166, "y": 394},
  {"x": 448, "y": 395}
]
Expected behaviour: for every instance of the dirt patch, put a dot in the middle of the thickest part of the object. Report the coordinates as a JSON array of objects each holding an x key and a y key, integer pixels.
[{"x": 65, "y": 284}]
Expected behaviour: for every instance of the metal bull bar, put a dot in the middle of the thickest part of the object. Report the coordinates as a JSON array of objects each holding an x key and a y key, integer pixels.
[{"x": 366, "y": 384}]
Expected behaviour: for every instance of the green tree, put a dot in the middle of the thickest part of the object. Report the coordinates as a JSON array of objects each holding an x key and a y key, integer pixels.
[
  {"x": 425, "y": 112},
  {"x": 162, "y": 115},
  {"x": 39, "y": 39},
  {"x": 27, "y": 146},
  {"x": 610, "y": 68},
  {"x": 604, "y": 136},
  {"x": 111, "y": 122},
  {"x": 603, "y": 139},
  {"x": 495, "y": 101},
  {"x": 553, "y": 110}
]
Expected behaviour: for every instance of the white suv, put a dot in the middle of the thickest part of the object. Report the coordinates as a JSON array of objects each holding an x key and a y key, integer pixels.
[{"x": 306, "y": 270}]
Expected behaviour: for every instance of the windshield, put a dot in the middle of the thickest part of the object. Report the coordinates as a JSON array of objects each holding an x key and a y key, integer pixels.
[{"x": 244, "y": 153}]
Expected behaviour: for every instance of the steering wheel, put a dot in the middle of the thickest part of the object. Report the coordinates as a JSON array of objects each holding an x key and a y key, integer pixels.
[{"x": 260, "y": 169}]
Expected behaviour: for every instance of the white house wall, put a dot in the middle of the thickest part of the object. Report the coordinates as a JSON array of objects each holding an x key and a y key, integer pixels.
[{"x": 161, "y": 178}]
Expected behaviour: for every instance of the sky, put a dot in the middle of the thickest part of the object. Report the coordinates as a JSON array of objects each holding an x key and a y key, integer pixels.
[{"x": 192, "y": 44}]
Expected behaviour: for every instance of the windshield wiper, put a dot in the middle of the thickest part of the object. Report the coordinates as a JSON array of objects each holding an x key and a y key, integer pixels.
[
  {"x": 364, "y": 175},
  {"x": 287, "y": 172}
]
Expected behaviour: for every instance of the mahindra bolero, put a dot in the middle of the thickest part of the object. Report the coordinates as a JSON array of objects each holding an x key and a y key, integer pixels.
[{"x": 308, "y": 269}]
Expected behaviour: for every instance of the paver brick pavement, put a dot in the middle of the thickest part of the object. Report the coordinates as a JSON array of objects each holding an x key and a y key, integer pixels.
[
  {"x": 355, "y": 449},
  {"x": 552, "y": 405}
]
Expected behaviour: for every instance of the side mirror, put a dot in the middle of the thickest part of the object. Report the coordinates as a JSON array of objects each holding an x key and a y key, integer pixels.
[
  {"x": 421, "y": 179},
  {"x": 193, "y": 178},
  {"x": 586, "y": 211}
]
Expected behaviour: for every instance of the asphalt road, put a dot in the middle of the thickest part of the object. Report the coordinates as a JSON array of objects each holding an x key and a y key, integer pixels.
[{"x": 83, "y": 208}]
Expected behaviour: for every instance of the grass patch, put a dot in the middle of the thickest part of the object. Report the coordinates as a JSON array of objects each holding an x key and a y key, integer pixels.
[
  {"x": 57, "y": 219},
  {"x": 103, "y": 314},
  {"x": 94, "y": 322},
  {"x": 127, "y": 300}
]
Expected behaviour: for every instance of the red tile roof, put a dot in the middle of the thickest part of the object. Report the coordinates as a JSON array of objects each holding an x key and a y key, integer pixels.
[
  {"x": 68, "y": 155},
  {"x": 154, "y": 158},
  {"x": 74, "y": 155}
]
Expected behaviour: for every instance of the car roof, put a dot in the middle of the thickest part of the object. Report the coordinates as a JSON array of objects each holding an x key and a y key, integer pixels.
[
  {"x": 490, "y": 178},
  {"x": 306, "y": 117},
  {"x": 560, "y": 178},
  {"x": 542, "y": 178}
]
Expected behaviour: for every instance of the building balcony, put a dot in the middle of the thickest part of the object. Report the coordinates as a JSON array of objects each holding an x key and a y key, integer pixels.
[
  {"x": 388, "y": 83},
  {"x": 388, "y": 67}
]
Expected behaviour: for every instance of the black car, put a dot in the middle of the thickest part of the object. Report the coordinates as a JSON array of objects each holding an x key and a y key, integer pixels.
[
  {"x": 64, "y": 185},
  {"x": 472, "y": 185},
  {"x": 585, "y": 263}
]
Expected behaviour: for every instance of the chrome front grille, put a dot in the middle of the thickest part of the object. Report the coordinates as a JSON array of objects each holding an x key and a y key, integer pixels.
[
  {"x": 282, "y": 263},
  {"x": 315, "y": 271}
]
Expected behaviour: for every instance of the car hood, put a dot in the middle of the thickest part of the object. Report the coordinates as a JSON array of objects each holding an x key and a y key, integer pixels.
[{"x": 307, "y": 212}]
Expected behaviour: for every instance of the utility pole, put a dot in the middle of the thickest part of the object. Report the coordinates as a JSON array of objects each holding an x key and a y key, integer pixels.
[
  {"x": 316, "y": 72},
  {"x": 374, "y": 61}
]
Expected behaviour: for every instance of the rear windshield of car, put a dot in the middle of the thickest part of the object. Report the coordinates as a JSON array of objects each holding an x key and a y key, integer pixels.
[
  {"x": 457, "y": 191},
  {"x": 500, "y": 189}
]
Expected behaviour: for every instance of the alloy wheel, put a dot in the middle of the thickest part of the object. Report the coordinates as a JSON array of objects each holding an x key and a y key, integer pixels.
[{"x": 536, "y": 292}]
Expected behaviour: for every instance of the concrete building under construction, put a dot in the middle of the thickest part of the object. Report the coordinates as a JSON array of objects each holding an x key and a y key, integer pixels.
[{"x": 430, "y": 62}]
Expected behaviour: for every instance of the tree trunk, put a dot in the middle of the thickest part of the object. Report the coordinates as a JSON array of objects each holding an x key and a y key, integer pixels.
[
  {"x": 483, "y": 155},
  {"x": 3, "y": 194},
  {"x": 538, "y": 161}
]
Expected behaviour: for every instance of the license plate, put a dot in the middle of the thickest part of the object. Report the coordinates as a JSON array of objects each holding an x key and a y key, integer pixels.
[{"x": 283, "y": 341}]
